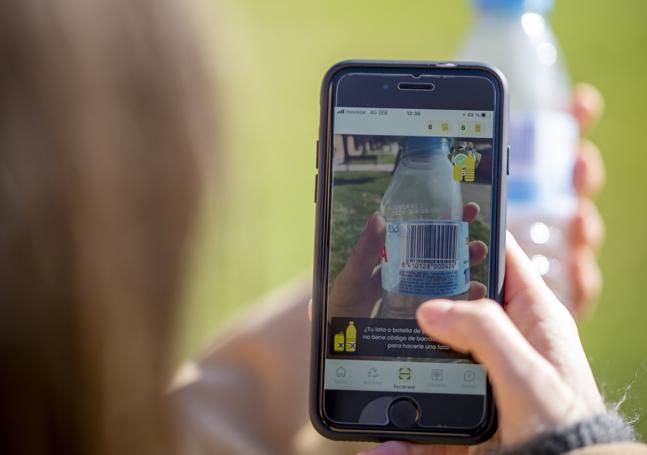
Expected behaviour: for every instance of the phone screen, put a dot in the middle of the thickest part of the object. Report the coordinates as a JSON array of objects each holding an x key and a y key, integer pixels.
[{"x": 411, "y": 219}]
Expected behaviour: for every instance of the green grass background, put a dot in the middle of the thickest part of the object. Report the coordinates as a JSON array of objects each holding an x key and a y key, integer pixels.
[{"x": 257, "y": 229}]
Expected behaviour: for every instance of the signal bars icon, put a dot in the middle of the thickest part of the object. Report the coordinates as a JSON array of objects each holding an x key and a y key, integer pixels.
[{"x": 340, "y": 111}]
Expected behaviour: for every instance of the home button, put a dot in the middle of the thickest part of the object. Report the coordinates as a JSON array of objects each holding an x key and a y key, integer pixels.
[{"x": 404, "y": 412}]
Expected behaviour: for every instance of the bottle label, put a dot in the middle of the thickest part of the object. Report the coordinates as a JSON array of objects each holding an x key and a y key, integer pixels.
[
  {"x": 543, "y": 147},
  {"x": 426, "y": 258}
]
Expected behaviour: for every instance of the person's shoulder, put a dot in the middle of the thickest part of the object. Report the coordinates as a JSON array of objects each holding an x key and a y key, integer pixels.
[{"x": 620, "y": 448}]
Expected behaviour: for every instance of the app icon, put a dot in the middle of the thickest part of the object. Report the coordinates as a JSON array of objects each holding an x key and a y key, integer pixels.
[
  {"x": 338, "y": 342},
  {"x": 445, "y": 126},
  {"x": 470, "y": 166},
  {"x": 437, "y": 374},
  {"x": 340, "y": 372},
  {"x": 351, "y": 337},
  {"x": 469, "y": 376},
  {"x": 465, "y": 159},
  {"x": 462, "y": 127},
  {"x": 458, "y": 166},
  {"x": 373, "y": 373},
  {"x": 405, "y": 374},
  {"x": 477, "y": 127}
]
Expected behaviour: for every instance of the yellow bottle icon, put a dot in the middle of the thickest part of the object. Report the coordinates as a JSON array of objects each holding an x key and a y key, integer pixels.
[
  {"x": 457, "y": 172},
  {"x": 470, "y": 165},
  {"x": 351, "y": 337},
  {"x": 338, "y": 342}
]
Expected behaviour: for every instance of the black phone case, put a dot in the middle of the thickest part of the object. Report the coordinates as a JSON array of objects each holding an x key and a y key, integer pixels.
[{"x": 322, "y": 199}]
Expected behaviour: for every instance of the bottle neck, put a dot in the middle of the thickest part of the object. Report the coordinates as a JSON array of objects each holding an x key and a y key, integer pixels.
[
  {"x": 500, "y": 13},
  {"x": 513, "y": 8},
  {"x": 516, "y": 17}
]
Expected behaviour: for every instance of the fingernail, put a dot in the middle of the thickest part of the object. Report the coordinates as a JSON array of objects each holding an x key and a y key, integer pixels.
[
  {"x": 371, "y": 220},
  {"x": 432, "y": 311}
]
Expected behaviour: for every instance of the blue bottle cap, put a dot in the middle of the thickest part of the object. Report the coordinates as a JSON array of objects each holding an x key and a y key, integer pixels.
[
  {"x": 424, "y": 145},
  {"x": 515, "y": 6}
]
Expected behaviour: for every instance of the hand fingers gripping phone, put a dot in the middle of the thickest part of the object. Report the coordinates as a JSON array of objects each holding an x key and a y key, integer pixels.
[{"x": 412, "y": 163}]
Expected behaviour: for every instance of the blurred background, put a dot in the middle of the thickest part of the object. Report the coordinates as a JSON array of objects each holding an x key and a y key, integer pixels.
[{"x": 272, "y": 56}]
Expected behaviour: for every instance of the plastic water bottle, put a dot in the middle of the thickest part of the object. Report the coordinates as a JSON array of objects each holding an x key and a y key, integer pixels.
[
  {"x": 426, "y": 252},
  {"x": 351, "y": 337},
  {"x": 515, "y": 36}
]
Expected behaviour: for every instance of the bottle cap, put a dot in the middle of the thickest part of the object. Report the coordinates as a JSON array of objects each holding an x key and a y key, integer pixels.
[
  {"x": 426, "y": 145},
  {"x": 515, "y": 6}
]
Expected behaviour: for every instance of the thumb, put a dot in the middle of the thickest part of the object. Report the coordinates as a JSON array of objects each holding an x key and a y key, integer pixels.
[
  {"x": 356, "y": 288},
  {"x": 369, "y": 245},
  {"x": 520, "y": 377},
  {"x": 482, "y": 329}
]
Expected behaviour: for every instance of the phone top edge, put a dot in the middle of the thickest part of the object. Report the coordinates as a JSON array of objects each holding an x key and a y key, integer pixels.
[{"x": 413, "y": 64}]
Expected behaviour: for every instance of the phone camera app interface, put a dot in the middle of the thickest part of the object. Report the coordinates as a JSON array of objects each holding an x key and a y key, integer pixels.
[{"x": 411, "y": 221}]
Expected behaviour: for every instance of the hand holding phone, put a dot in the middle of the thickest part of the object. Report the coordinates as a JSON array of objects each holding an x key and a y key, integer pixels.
[{"x": 561, "y": 389}]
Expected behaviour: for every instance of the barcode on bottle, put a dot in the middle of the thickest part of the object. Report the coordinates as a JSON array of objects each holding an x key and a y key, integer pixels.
[{"x": 429, "y": 246}]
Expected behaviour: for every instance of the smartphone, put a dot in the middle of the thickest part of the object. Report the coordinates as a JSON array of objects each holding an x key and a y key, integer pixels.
[{"x": 412, "y": 159}]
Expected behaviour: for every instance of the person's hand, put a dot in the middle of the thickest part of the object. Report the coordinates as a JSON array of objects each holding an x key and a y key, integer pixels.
[
  {"x": 587, "y": 227},
  {"x": 539, "y": 372},
  {"x": 358, "y": 286}
]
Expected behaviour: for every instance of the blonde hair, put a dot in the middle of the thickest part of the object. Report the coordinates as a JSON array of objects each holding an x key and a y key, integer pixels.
[{"x": 104, "y": 112}]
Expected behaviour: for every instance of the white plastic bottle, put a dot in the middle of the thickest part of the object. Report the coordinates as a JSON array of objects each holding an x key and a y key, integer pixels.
[
  {"x": 515, "y": 36},
  {"x": 426, "y": 250}
]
